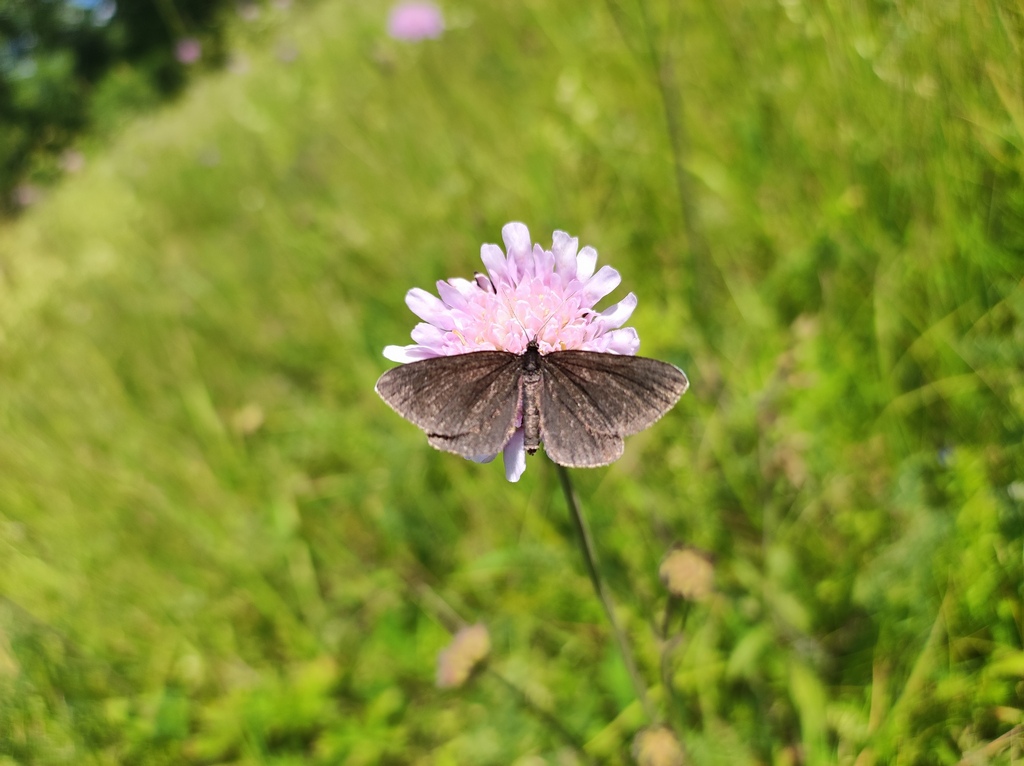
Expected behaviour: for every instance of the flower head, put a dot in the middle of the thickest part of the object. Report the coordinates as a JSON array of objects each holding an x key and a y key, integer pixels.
[
  {"x": 188, "y": 50},
  {"x": 415, "y": 21},
  {"x": 528, "y": 293},
  {"x": 457, "y": 661},
  {"x": 658, "y": 746},
  {"x": 72, "y": 161},
  {"x": 26, "y": 194},
  {"x": 688, "y": 573}
]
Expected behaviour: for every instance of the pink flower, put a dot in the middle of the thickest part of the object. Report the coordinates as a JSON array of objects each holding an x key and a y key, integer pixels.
[
  {"x": 415, "y": 21},
  {"x": 72, "y": 161},
  {"x": 27, "y": 194},
  {"x": 249, "y": 11},
  {"x": 529, "y": 293},
  {"x": 188, "y": 50}
]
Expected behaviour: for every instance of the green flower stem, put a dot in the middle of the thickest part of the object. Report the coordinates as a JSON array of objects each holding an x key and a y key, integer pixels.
[
  {"x": 590, "y": 558},
  {"x": 544, "y": 716},
  {"x": 433, "y": 605}
]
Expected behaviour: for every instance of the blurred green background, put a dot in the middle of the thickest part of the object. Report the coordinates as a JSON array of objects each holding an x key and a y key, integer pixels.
[{"x": 219, "y": 546}]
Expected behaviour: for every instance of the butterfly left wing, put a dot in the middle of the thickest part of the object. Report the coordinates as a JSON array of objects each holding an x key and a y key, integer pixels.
[
  {"x": 466, "y": 403},
  {"x": 591, "y": 400}
]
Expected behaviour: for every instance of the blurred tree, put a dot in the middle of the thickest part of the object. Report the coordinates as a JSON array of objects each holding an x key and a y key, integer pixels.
[{"x": 54, "y": 54}]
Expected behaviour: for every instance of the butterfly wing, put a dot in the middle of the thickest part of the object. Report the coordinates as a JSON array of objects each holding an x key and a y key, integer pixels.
[
  {"x": 591, "y": 400},
  {"x": 467, "y": 403}
]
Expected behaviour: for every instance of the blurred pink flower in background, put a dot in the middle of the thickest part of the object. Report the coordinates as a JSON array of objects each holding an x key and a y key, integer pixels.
[
  {"x": 188, "y": 50},
  {"x": 248, "y": 10},
  {"x": 72, "y": 161},
  {"x": 26, "y": 194},
  {"x": 415, "y": 21}
]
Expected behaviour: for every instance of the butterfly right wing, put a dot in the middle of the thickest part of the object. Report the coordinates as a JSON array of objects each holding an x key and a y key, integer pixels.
[
  {"x": 591, "y": 400},
  {"x": 466, "y": 403}
]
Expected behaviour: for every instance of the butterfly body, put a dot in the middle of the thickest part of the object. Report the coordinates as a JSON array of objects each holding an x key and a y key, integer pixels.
[
  {"x": 529, "y": 396},
  {"x": 579, "y": 404}
]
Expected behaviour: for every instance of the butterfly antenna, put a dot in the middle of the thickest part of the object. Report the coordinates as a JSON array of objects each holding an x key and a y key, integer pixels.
[
  {"x": 511, "y": 306},
  {"x": 552, "y": 314}
]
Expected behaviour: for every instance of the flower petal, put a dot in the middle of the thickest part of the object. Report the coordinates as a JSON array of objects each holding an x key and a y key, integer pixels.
[
  {"x": 515, "y": 455},
  {"x": 614, "y": 316},
  {"x": 430, "y": 336},
  {"x": 406, "y": 354},
  {"x": 517, "y": 242},
  {"x": 543, "y": 263},
  {"x": 516, "y": 237},
  {"x": 599, "y": 285},
  {"x": 585, "y": 263},
  {"x": 429, "y": 308},
  {"x": 451, "y": 295},
  {"x": 564, "y": 249},
  {"x": 622, "y": 341},
  {"x": 496, "y": 264}
]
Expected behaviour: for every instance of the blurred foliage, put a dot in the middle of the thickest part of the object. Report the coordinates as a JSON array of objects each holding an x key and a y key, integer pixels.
[
  {"x": 218, "y": 546},
  {"x": 63, "y": 64}
]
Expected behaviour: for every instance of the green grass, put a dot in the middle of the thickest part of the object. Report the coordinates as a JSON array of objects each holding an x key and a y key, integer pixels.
[{"x": 219, "y": 546}]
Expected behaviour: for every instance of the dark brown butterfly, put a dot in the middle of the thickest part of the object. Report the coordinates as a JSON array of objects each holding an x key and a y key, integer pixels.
[{"x": 580, "y": 404}]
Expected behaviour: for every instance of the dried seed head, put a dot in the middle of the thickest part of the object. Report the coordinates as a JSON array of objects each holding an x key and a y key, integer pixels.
[
  {"x": 457, "y": 661},
  {"x": 688, "y": 573},
  {"x": 247, "y": 420},
  {"x": 657, "y": 746}
]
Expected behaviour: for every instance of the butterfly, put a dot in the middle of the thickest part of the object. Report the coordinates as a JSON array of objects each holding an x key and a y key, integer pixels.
[{"x": 579, "y": 404}]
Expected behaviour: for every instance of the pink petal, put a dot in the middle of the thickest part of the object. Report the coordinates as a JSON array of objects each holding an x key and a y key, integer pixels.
[
  {"x": 516, "y": 237},
  {"x": 515, "y": 455},
  {"x": 585, "y": 263},
  {"x": 622, "y": 341},
  {"x": 614, "y": 316},
  {"x": 497, "y": 266},
  {"x": 550, "y": 264},
  {"x": 466, "y": 287},
  {"x": 517, "y": 242},
  {"x": 564, "y": 249},
  {"x": 428, "y": 335},
  {"x": 540, "y": 262},
  {"x": 451, "y": 295},
  {"x": 599, "y": 285},
  {"x": 521, "y": 316},
  {"x": 484, "y": 283},
  {"x": 429, "y": 308},
  {"x": 406, "y": 354}
]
